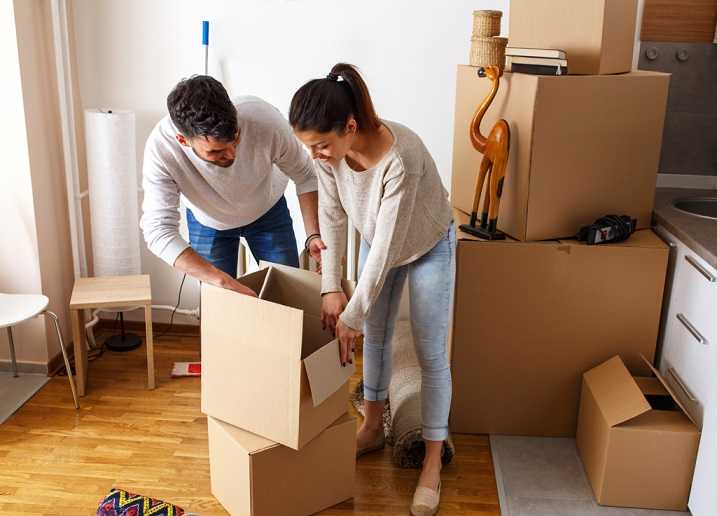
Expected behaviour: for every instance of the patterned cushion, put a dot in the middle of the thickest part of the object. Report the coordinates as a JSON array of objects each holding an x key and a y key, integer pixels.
[{"x": 122, "y": 503}]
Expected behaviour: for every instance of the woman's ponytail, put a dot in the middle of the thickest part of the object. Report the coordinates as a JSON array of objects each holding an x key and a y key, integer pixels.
[{"x": 326, "y": 104}]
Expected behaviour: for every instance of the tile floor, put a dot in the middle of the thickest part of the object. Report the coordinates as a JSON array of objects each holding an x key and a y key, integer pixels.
[{"x": 540, "y": 476}]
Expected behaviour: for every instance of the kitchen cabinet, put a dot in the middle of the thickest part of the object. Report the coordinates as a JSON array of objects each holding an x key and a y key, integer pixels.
[
  {"x": 688, "y": 357},
  {"x": 686, "y": 20},
  {"x": 703, "y": 498}
]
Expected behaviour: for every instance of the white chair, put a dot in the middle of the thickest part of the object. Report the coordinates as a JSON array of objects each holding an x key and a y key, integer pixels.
[{"x": 16, "y": 308}]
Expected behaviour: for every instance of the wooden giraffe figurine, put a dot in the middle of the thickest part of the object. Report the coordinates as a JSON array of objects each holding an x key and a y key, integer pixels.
[{"x": 495, "y": 159}]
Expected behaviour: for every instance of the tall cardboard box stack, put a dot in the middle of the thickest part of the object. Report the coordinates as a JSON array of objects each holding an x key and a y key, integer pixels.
[
  {"x": 276, "y": 397},
  {"x": 537, "y": 310}
]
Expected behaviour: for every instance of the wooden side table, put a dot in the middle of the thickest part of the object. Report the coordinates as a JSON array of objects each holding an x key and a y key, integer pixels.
[{"x": 109, "y": 292}]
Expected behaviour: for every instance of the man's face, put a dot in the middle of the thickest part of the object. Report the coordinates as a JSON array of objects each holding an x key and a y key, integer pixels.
[{"x": 221, "y": 153}]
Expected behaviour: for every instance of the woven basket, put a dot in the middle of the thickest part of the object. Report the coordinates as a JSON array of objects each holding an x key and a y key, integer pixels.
[
  {"x": 488, "y": 52},
  {"x": 486, "y": 23}
]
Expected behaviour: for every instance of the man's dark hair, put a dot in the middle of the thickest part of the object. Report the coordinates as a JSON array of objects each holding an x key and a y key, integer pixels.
[{"x": 200, "y": 106}]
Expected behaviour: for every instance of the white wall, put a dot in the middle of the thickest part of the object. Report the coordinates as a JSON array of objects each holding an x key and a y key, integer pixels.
[{"x": 130, "y": 53}]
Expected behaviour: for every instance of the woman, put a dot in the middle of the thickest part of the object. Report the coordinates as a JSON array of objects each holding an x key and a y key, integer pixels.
[{"x": 379, "y": 175}]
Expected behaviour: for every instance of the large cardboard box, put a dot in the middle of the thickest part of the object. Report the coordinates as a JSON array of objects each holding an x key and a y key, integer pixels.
[
  {"x": 598, "y": 35},
  {"x": 637, "y": 442},
  {"x": 581, "y": 147},
  {"x": 251, "y": 475},
  {"x": 531, "y": 317},
  {"x": 267, "y": 365}
]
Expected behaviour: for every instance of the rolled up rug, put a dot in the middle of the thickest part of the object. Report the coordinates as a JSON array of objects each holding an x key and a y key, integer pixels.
[{"x": 402, "y": 417}]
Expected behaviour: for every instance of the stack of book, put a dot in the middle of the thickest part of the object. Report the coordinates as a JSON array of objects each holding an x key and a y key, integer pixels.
[{"x": 536, "y": 61}]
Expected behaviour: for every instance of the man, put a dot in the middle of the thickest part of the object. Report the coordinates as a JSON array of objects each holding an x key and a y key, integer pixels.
[{"x": 231, "y": 161}]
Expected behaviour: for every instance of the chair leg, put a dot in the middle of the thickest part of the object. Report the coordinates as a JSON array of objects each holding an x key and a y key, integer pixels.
[
  {"x": 12, "y": 351},
  {"x": 150, "y": 346},
  {"x": 64, "y": 357}
]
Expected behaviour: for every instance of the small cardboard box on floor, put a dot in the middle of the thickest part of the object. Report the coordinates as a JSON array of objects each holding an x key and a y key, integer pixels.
[
  {"x": 597, "y": 35},
  {"x": 254, "y": 476},
  {"x": 531, "y": 317},
  {"x": 267, "y": 365},
  {"x": 636, "y": 440},
  {"x": 581, "y": 147}
]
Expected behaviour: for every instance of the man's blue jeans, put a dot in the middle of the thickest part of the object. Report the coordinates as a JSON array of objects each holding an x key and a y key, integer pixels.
[{"x": 270, "y": 238}]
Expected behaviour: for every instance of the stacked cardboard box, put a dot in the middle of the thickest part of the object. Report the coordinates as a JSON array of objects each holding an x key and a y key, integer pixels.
[
  {"x": 581, "y": 147},
  {"x": 276, "y": 397},
  {"x": 597, "y": 35},
  {"x": 536, "y": 311},
  {"x": 531, "y": 317}
]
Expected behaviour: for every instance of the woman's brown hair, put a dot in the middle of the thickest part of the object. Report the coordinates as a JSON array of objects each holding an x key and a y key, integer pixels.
[{"x": 325, "y": 105}]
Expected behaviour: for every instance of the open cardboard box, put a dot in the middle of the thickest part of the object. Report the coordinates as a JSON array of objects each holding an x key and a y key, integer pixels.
[
  {"x": 267, "y": 365},
  {"x": 254, "y": 476},
  {"x": 637, "y": 442}
]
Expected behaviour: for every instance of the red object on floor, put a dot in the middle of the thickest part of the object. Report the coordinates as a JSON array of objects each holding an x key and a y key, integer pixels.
[{"x": 186, "y": 369}]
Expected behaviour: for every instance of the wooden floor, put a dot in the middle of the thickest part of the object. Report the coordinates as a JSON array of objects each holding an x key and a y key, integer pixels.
[{"x": 58, "y": 461}]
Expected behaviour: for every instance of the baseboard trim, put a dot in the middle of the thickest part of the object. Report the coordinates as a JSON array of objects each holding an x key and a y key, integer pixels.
[
  {"x": 686, "y": 181},
  {"x": 24, "y": 367},
  {"x": 157, "y": 328},
  {"x": 57, "y": 362}
]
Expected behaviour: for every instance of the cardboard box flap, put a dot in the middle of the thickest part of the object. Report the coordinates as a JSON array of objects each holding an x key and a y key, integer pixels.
[
  {"x": 326, "y": 375},
  {"x": 251, "y": 443},
  {"x": 669, "y": 390},
  {"x": 616, "y": 392},
  {"x": 297, "y": 288},
  {"x": 650, "y": 386},
  {"x": 267, "y": 282},
  {"x": 255, "y": 280}
]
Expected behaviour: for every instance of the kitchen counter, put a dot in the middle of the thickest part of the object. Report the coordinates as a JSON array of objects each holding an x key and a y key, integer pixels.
[{"x": 697, "y": 233}]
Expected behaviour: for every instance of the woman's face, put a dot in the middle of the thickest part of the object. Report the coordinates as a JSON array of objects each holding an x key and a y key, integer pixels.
[{"x": 329, "y": 147}]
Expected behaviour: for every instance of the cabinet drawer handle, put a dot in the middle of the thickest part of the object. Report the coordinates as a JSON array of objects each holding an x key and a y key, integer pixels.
[
  {"x": 679, "y": 381},
  {"x": 709, "y": 277},
  {"x": 687, "y": 324}
]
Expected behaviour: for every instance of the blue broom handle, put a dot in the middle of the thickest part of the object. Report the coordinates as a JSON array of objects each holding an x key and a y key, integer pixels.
[{"x": 205, "y": 43}]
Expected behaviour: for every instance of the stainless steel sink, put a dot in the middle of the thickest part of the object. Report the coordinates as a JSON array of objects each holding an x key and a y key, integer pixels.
[{"x": 699, "y": 206}]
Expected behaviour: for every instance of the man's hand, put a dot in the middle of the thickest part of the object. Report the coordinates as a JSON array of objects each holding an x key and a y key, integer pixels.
[
  {"x": 347, "y": 341},
  {"x": 233, "y": 284},
  {"x": 191, "y": 263},
  {"x": 332, "y": 305}
]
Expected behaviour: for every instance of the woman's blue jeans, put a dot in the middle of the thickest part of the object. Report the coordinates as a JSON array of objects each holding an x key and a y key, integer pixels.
[{"x": 430, "y": 286}]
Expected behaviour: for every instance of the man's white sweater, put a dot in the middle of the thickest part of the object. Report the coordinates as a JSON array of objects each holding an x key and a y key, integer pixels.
[{"x": 268, "y": 155}]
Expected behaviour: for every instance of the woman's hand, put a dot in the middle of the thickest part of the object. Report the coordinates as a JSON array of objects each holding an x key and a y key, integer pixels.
[
  {"x": 347, "y": 341},
  {"x": 332, "y": 305},
  {"x": 316, "y": 245}
]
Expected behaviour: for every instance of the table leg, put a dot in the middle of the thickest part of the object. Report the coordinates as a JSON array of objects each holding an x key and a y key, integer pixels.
[
  {"x": 150, "y": 346},
  {"x": 78, "y": 336}
]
